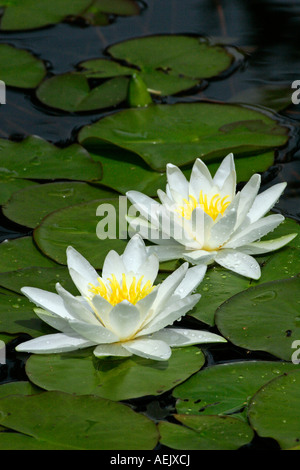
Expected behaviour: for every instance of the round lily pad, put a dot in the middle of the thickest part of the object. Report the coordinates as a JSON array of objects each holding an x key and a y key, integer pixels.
[
  {"x": 25, "y": 15},
  {"x": 169, "y": 64},
  {"x": 180, "y": 133},
  {"x": 263, "y": 318},
  {"x": 19, "y": 68},
  {"x": 17, "y": 316},
  {"x": 113, "y": 378},
  {"x": 40, "y": 277},
  {"x": 81, "y": 226},
  {"x": 205, "y": 433},
  {"x": 29, "y": 206},
  {"x": 10, "y": 185},
  {"x": 71, "y": 92},
  {"x": 22, "y": 253},
  {"x": 226, "y": 388},
  {"x": 274, "y": 410},
  {"x": 77, "y": 422},
  {"x": 35, "y": 158}
]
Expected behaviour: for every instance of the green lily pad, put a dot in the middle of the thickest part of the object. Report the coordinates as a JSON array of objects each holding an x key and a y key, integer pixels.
[
  {"x": 104, "y": 68},
  {"x": 219, "y": 284},
  {"x": 30, "y": 205},
  {"x": 18, "y": 388},
  {"x": 43, "y": 278},
  {"x": 274, "y": 410},
  {"x": 17, "y": 316},
  {"x": 264, "y": 317},
  {"x": 205, "y": 433},
  {"x": 77, "y": 422},
  {"x": 22, "y": 253},
  {"x": 25, "y": 14},
  {"x": 169, "y": 64},
  {"x": 180, "y": 133},
  {"x": 10, "y": 185},
  {"x": 78, "y": 226},
  {"x": 113, "y": 378},
  {"x": 71, "y": 92},
  {"x": 17, "y": 441},
  {"x": 19, "y": 68},
  {"x": 225, "y": 388},
  {"x": 35, "y": 158}
]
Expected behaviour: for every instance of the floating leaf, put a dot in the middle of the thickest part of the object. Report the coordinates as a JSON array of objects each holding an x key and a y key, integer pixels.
[
  {"x": 275, "y": 410},
  {"x": 17, "y": 316},
  {"x": 113, "y": 378},
  {"x": 22, "y": 253},
  {"x": 10, "y": 185},
  {"x": 71, "y": 92},
  {"x": 264, "y": 317},
  {"x": 225, "y": 388},
  {"x": 76, "y": 422},
  {"x": 180, "y": 133},
  {"x": 104, "y": 68},
  {"x": 205, "y": 433},
  {"x": 35, "y": 158},
  {"x": 19, "y": 68},
  {"x": 42, "y": 278},
  {"x": 169, "y": 64},
  {"x": 25, "y": 14},
  {"x": 29, "y": 206},
  {"x": 78, "y": 226},
  {"x": 18, "y": 388}
]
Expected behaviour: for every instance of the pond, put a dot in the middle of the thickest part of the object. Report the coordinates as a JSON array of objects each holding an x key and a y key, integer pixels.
[{"x": 103, "y": 98}]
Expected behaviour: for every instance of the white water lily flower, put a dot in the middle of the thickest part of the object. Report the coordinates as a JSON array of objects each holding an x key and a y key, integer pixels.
[
  {"x": 122, "y": 312},
  {"x": 204, "y": 220}
]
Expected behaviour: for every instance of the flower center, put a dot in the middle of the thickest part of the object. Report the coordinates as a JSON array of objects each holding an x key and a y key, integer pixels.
[
  {"x": 116, "y": 292},
  {"x": 213, "y": 207}
]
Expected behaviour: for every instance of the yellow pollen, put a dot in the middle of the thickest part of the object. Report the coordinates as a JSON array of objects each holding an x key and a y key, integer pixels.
[
  {"x": 116, "y": 292},
  {"x": 213, "y": 208}
]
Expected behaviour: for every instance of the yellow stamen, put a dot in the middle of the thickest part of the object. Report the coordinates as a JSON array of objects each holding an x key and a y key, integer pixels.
[
  {"x": 116, "y": 292},
  {"x": 213, "y": 208}
]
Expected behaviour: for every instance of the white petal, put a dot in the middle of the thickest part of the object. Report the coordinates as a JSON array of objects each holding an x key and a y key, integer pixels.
[
  {"x": 177, "y": 228},
  {"x": 95, "y": 333},
  {"x": 166, "y": 200},
  {"x": 77, "y": 262},
  {"x": 266, "y": 246},
  {"x": 141, "y": 226},
  {"x": 102, "y": 308},
  {"x": 170, "y": 314},
  {"x": 177, "y": 181},
  {"x": 200, "y": 179},
  {"x": 191, "y": 281},
  {"x": 184, "y": 337},
  {"x": 223, "y": 228},
  {"x": 135, "y": 254},
  {"x": 124, "y": 319},
  {"x": 226, "y": 167},
  {"x": 238, "y": 262},
  {"x": 144, "y": 204},
  {"x": 168, "y": 287},
  {"x": 46, "y": 300},
  {"x": 149, "y": 348},
  {"x": 56, "y": 343},
  {"x": 247, "y": 197},
  {"x": 265, "y": 201},
  {"x": 75, "y": 307},
  {"x": 201, "y": 226},
  {"x": 255, "y": 231},
  {"x": 59, "y": 323},
  {"x": 149, "y": 269},
  {"x": 199, "y": 256},
  {"x": 145, "y": 305},
  {"x": 113, "y": 264},
  {"x": 82, "y": 284},
  {"x": 111, "y": 350},
  {"x": 165, "y": 252}
]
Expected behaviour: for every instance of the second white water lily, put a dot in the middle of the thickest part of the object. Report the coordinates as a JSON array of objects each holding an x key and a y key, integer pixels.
[
  {"x": 122, "y": 312},
  {"x": 205, "y": 220}
]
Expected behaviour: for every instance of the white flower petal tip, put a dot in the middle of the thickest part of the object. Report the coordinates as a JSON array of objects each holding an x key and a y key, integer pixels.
[
  {"x": 116, "y": 312},
  {"x": 178, "y": 337},
  {"x": 198, "y": 220}
]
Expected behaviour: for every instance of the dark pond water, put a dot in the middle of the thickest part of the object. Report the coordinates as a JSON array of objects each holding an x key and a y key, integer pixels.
[{"x": 267, "y": 32}]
